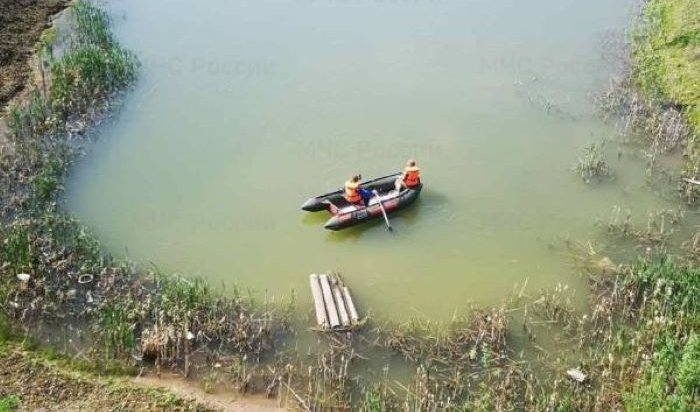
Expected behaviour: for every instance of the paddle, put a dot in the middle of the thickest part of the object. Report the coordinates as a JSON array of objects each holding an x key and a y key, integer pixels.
[{"x": 381, "y": 206}]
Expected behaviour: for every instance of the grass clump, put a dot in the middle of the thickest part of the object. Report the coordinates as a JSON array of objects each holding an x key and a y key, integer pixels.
[
  {"x": 592, "y": 166},
  {"x": 94, "y": 67},
  {"x": 92, "y": 25},
  {"x": 9, "y": 403},
  {"x": 672, "y": 381}
]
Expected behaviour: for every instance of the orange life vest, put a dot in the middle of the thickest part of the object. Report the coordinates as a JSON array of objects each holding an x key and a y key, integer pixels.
[
  {"x": 352, "y": 195},
  {"x": 411, "y": 176}
]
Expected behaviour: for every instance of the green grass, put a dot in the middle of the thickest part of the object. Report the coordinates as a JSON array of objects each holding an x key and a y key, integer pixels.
[
  {"x": 667, "y": 53},
  {"x": 9, "y": 403},
  {"x": 670, "y": 381},
  {"x": 94, "y": 67}
]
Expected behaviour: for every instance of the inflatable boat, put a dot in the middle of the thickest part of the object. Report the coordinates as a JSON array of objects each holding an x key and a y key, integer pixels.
[{"x": 346, "y": 214}]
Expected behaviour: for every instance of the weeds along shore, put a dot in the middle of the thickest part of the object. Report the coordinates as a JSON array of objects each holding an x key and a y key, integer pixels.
[
  {"x": 657, "y": 100},
  {"x": 635, "y": 347},
  {"x": 57, "y": 284}
]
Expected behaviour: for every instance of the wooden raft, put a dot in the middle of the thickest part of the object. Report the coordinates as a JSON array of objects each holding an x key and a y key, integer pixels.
[{"x": 333, "y": 304}]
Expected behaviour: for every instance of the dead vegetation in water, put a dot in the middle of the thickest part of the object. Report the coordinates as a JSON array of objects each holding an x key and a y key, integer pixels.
[
  {"x": 661, "y": 225},
  {"x": 602, "y": 358},
  {"x": 481, "y": 334},
  {"x": 611, "y": 349},
  {"x": 592, "y": 166},
  {"x": 170, "y": 321},
  {"x": 662, "y": 128}
]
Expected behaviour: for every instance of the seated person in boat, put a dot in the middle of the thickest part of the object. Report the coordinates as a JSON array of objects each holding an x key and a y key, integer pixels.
[
  {"x": 354, "y": 193},
  {"x": 410, "y": 177}
]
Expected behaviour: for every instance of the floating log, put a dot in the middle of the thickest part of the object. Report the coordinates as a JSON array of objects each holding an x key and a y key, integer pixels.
[
  {"x": 351, "y": 306},
  {"x": 333, "y": 320},
  {"x": 333, "y": 305},
  {"x": 319, "y": 305},
  {"x": 338, "y": 295}
]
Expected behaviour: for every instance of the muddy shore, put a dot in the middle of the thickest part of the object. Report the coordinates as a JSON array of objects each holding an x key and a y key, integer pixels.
[
  {"x": 21, "y": 25},
  {"x": 33, "y": 381}
]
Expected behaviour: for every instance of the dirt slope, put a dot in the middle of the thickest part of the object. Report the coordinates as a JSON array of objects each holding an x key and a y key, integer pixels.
[{"x": 21, "y": 25}]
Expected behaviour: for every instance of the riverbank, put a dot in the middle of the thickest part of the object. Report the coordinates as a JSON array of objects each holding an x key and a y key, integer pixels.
[
  {"x": 659, "y": 98},
  {"x": 58, "y": 288},
  {"x": 636, "y": 348},
  {"x": 666, "y": 46},
  {"x": 21, "y": 26},
  {"x": 34, "y": 379}
]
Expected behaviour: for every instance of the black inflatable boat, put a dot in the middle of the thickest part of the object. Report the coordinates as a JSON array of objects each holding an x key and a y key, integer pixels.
[{"x": 346, "y": 214}]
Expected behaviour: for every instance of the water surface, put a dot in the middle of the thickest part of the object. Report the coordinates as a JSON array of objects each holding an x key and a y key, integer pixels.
[{"x": 246, "y": 108}]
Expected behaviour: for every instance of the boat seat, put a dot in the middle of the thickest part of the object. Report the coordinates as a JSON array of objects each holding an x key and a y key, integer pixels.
[{"x": 343, "y": 205}]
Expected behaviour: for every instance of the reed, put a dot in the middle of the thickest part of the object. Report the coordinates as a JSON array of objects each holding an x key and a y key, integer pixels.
[
  {"x": 661, "y": 225},
  {"x": 635, "y": 313},
  {"x": 93, "y": 68},
  {"x": 592, "y": 166}
]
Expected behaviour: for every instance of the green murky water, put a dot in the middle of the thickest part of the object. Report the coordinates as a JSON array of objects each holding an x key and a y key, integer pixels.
[{"x": 246, "y": 108}]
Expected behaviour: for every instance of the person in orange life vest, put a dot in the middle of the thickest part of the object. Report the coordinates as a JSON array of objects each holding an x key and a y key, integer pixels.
[
  {"x": 410, "y": 177},
  {"x": 356, "y": 194}
]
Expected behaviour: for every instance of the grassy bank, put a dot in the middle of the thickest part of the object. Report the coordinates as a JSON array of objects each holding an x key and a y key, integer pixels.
[
  {"x": 58, "y": 287},
  {"x": 656, "y": 101},
  {"x": 666, "y": 71},
  {"x": 666, "y": 47},
  {"x": 34, "y": 379}
]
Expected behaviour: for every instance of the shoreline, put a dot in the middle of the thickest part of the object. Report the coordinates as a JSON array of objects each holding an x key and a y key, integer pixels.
[
  {"x": 133, "y": 319},
  {"x": 22, "y": 35}
]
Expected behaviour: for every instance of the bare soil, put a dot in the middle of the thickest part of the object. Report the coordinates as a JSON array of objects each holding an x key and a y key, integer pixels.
[
  {"x": 21, "y": 25},
  {"x": 218, "y": 400},
  {"x": 43, "y": 385}
]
